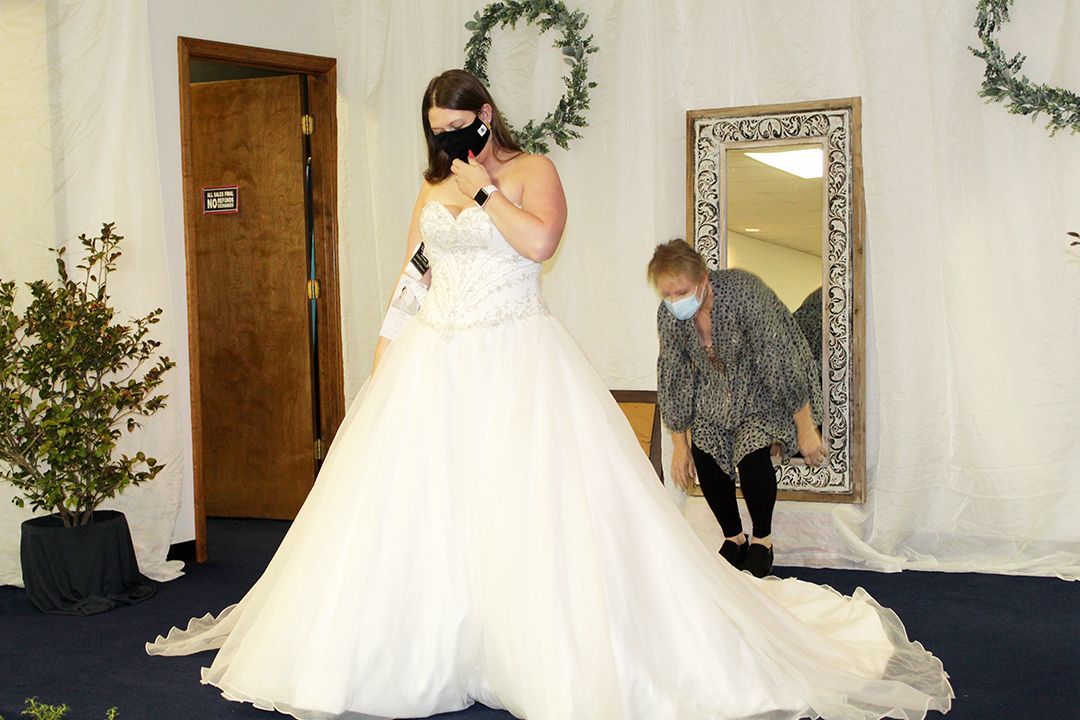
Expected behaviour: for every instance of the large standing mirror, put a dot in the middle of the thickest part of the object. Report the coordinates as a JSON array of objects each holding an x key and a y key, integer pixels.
[{"x": 777, "y": 190}]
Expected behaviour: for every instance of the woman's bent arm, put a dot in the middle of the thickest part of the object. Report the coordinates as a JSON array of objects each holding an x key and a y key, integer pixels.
[{"x": 413, "y": 242}]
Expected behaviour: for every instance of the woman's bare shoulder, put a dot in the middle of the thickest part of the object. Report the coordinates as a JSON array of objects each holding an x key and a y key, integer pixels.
[
  {"x": 529, "y": 163},
  {"x": 532, "y": 173},
  {"x": 432, "y": 191},
  {"x": 426, "y": 188}
]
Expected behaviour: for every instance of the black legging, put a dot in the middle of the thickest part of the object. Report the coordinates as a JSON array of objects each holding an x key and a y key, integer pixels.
[{"x": 757, "y": 478}]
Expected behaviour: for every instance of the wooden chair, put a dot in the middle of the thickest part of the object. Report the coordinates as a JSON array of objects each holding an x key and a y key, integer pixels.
[{"x": 641, "y": 410}]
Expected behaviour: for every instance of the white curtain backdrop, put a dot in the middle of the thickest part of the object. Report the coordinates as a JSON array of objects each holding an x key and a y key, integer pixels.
[
  {"x": 973, "y": 295},
  {"x": 79, "y": 149}
]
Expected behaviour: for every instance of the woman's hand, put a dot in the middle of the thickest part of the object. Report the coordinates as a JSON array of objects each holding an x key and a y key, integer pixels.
[
  {"x": 808, "y": 438},
  {"x": 470, "y": 176},
  {"x": 682, "y": 467},
  {"x": 811, "y": 447}
]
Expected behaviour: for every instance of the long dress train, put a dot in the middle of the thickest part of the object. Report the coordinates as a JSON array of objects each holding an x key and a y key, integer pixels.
[{"x": 486, "y": 528}]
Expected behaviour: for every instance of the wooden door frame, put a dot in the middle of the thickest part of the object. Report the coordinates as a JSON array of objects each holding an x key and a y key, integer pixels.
[{"x": 322, "y": 102}]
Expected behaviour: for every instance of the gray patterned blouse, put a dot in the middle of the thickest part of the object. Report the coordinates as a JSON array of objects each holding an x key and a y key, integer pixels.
[
  {"x": 809, "y": 318},
  {"x": 762, "y": 373}
]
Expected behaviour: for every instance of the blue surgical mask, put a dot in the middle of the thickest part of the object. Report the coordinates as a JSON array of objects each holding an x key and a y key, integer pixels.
[{"x": 684, "y": 308}]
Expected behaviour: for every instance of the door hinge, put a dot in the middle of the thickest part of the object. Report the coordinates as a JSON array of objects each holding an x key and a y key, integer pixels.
[
  {"x": 314, "y": 289},
  {"x": 320, "y": 450},
  {"x": 307, "y": 124}
]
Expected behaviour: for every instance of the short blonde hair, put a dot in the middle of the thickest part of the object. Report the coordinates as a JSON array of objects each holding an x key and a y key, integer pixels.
[{"x": 675, "y": 257}]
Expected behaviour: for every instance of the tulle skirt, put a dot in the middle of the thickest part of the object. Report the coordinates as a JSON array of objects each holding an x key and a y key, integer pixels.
[{"x": 486, "y": 528}]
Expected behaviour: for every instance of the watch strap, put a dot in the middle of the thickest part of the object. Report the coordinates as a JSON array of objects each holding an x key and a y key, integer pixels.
[{"x": 484, "y": 193}]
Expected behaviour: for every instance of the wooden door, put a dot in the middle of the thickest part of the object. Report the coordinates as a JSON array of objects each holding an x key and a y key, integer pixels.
[{"x": 254, "y": 362}]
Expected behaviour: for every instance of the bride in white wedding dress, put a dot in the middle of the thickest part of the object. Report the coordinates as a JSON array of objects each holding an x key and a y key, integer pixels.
[{"x": 486, "y": 528}]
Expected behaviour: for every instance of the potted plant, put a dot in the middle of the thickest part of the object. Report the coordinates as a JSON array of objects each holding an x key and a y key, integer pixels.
[
  {"x": 40, "y": 711},
  {"x": 70, "y": 386}
]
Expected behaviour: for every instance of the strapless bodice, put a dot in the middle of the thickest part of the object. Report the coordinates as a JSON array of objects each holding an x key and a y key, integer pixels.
[{"x": 477, "y": 279}]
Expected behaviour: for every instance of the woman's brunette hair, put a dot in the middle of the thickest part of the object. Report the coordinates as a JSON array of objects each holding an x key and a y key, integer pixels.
[
  {"x": 676, "y": 258},
  {"x": 460, "y": 90}
]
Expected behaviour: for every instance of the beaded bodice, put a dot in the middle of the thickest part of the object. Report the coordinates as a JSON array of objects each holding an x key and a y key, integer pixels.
[{"x": 477, "y": 279}]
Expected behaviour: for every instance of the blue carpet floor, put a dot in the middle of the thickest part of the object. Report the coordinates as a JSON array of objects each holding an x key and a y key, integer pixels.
[{"x": 1010, "y": 644}]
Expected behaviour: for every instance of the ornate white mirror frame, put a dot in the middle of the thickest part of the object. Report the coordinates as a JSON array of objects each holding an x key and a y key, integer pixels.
[{"x": 835, "y": 124}]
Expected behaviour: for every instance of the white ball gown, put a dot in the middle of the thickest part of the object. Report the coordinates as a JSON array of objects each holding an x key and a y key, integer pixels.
[{"x": 486, "y": 528}]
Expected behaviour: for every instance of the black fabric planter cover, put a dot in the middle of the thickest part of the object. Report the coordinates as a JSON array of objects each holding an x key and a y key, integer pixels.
[{"x": 81, "y": 570}]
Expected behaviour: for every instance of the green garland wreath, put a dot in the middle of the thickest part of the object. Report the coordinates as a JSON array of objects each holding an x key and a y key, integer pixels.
[
  {"x": 559, "y": 124},
  {"x": 1002, "y": 79}
]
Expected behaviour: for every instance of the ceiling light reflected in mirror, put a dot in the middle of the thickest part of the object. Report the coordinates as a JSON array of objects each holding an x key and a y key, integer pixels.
[
  {"x": 774, "y": 205},
  {"x": 805, "y": 163}
]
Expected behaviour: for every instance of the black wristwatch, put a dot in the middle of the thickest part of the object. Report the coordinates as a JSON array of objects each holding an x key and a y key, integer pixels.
[{"x": 484, "y": 193}]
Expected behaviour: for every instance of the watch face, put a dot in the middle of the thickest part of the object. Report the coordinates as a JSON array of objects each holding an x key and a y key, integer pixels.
[{"x": 481, "y": 196}]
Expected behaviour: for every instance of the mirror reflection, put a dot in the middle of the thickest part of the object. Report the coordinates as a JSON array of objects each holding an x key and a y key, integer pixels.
[{"x": 775, "y": 205}]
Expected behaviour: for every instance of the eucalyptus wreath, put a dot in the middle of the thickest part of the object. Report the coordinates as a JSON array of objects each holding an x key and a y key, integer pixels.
[
  {"x": 1003, "y": 81},
  {"x": 559, "y": 125}
]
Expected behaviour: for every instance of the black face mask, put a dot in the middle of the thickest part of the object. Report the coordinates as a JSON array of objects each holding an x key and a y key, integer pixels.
[{"x": 457, "y": 143}]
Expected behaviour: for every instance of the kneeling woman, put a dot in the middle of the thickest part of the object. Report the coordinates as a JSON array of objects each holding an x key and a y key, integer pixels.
[{"x": 735, "y": 380}]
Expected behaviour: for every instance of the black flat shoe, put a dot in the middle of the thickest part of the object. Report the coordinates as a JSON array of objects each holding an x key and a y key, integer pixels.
[
  {"x": 735, "y": 553},
  {"x": 759, "y": 560}
]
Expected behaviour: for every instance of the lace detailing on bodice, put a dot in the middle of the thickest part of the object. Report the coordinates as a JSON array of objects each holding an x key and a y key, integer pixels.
[{"x": 477, "y": 279}]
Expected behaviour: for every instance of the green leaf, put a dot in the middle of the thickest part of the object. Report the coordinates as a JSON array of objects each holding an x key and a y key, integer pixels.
[{"x": 58, "y": 394}]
